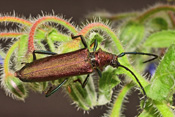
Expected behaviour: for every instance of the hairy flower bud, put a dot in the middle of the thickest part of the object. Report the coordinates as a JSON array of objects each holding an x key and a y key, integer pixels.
[{"x": 14, "y": 87}]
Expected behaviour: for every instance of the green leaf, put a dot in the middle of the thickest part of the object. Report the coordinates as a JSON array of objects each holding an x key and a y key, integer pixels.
[
  {"x": 94, "y": 36},
  {"x": 158, "y": 23},
  {"x": 160, "y": 39},
  {"x": 40, "y": 35},
  {"x": 51, "y": 45},
  {"x": 108, "y": 81},
  {"x": 86, "y": 97},
  {"x": 54, "y": 35},
  {"x": 132, "y": 34},
  {"x": 162, "y": 84},
  {"x": 38, "y": 86}
]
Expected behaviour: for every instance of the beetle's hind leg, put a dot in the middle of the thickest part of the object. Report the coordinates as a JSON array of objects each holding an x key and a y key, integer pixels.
[
  {"x": 84, "y": 82},
  {"x": 41, "y": 52},
  {"x": 52, "y": 91}
]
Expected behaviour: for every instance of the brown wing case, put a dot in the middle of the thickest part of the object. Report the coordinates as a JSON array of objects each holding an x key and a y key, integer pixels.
[{"x": 57, "y": 66}]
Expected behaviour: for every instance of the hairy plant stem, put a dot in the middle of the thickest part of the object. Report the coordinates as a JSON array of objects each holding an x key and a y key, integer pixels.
[
  {"x": 153, "y": 11},
  {"x": 117, "y": 107},
  {"x": 7, "y": 58},
  {"x": 121, "y": 16},
  {"x": 15, "y": 20},
  {"x": 45, "y": 19}
]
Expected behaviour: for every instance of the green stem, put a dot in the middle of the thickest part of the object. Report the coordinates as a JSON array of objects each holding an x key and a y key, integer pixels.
[
  {"x": 121, "y": 16},
  {"x": 164, "y": 110},
  {"x": 10, "y": 34},
  {"x": 8, "y": 56},
  {"x": 117, "y": 107},
  {"x": 10, "y": 51},
  {"x": 153, "y": 11},
  {"x": 172, "y": 18},
  {"x": 15, "y": 19},
  {"x": 45, "y": 19},
  {"x": 100, "y": 26},
  {"x": 51, "y": 45}
]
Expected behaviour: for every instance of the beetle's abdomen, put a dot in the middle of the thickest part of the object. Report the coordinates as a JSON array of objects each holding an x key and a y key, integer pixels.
[{"x": 57, "y": 66}]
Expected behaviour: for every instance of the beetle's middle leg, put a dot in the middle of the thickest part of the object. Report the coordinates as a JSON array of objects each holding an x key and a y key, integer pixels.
[
  {"x": 41, "y": 52},
  {"x": 84, "y": 82},
  {"x": 82, "y": 39}
]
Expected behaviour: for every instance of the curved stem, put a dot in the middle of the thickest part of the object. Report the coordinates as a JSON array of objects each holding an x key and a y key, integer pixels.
[
  {"x": 10, "y": 51},
  {"x": 105, "y": 28},
  {"x": 7, "y": 58},
  {"x": 16, "y": 20},
  {"x": 164, "y": 109},
  {"x": 153, "y": 11},
  {"x": 10, "y": 35},
  {"x": 66, "y": 24},
  {"x": 117, "y": 107},
  {"x": 121, "y": 16}
]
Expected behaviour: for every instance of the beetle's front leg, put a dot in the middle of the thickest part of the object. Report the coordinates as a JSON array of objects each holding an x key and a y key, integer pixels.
[{"x": 82, "y": 39}]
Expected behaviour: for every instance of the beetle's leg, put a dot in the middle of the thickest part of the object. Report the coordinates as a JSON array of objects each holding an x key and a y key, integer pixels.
[
  {"x": 82, "y": 39},
  {"x": 51, "y": 91},
  {"x": 78, "y": 80},
  {"x": 84, "y": 82},
  {"x": 99, "y": 72},
  {"x": 95, "y": 45},
  {"x": 41, "y": 52}
]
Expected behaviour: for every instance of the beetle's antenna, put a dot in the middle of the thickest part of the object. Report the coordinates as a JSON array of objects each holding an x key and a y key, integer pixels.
[
  {"x": 137, "y": 82},
  {"x": 141, "y": 53}
]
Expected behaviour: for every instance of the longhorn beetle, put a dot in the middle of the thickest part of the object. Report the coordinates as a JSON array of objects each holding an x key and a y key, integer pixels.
[{"x": 74, "y": 63}]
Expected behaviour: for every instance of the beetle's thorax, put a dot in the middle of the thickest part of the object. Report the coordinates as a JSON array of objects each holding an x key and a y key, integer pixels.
[{"x": 100, "y": 59}]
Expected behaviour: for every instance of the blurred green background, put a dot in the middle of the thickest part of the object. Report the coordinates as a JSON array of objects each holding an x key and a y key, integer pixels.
[{"x": 36, "y": 105}]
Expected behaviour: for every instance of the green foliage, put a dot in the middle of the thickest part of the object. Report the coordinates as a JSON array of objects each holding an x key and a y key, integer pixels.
[
  {"x": 117, "y": 107},
  {"x": 85, "y": 98},
  {"x": 162, "y": 84},
  {"x": 94, "y": 36},
  {"x": 54, "y": 35},
  {"x": 147, "y": 31},
  {"x": 149, "y": 111},
  {"x": 108, "y": 81},
  {"x": 158, "y": 23},
  {"x": 132, "y": 34},
  {"x": 144, "y": 32},
  {"x": 162, "y": 39}
]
